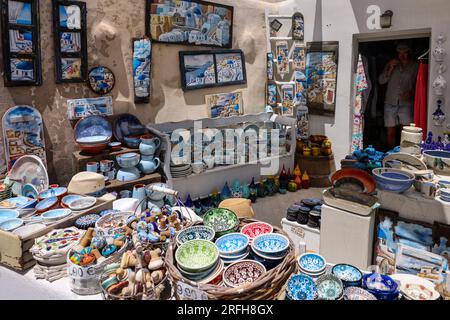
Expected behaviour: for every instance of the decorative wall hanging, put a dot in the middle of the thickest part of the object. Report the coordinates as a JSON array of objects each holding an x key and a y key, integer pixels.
[
  {"x": 439, "y": 52},
  {"x": 21, "y": 43},
  {"x": 302, "y": 122},
  {"x": 300, "y": 88},
  {"x": 101, "y": 80},
  {"x": 70, "y": 36},
  {"x": 81, "y": 108},
  {"x": 224, "y": 105},
  {"x": 23, "y": 134},
  {"x": 192, "y": 22},
  {"x": 298, "y": 27},
  {"x": 287, "y": 99},
  {"x": 272, "y": 94},
  {"x": 282, "y": 49},
  {"x": 142, "y": 62},
  {"x": 203, "y": 69},
  {"x": 276, "y": 25},
  {"x": 299, "y": 57},
  {"x": 321, "y": 75},
  {"x": 270, "y": 66}
]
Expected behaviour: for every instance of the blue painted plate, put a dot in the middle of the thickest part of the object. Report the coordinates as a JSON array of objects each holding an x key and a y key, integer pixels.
[
  {"x": 232, "y": 243},
  {"x": 270, "y": 244},
  {"x": 7, "y": 214},
  {"x": 56, "y": 214},
  {"x": 23, "y": 202},
  {"x": 46, "y": 204},
  {"x": 11, "y": 224},
  {"x": 301, "y": 287},
  {"x": 67, "y": 200},
  {"x": 312, "y": 263},
  {"x": 93, "y": 126},
  {"x": 347, "y": 273},
  {"x": 55, "y": 192}
]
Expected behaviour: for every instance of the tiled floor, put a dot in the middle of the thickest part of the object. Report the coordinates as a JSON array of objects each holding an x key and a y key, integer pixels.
[{"x": 273, "y": 209}]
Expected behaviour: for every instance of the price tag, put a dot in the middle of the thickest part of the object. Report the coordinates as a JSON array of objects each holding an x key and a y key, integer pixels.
[
  {"x": 298, "y": 231},
  {"x": 187, "y": 292}
]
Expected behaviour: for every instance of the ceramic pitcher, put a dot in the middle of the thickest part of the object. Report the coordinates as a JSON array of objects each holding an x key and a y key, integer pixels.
[
  {"x": 149, "y": 165},
  {"x": 149, "y": 145},
  {"x": 140, "y": 194}
]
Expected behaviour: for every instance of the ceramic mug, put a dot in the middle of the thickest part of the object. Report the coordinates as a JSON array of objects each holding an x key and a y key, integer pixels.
[
  {"x": 106, "y": 165},
  {"x": 198, "y": 167},
  {"x": 111, "y": 174},
  {"x": 125, "y": 194},
  {"x": 92, "y": 167},
  {"x": 429, "y": 190}
]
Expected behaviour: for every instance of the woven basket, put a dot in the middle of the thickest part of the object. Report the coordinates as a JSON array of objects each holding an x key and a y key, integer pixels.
[{"x": 268, "y": 287}]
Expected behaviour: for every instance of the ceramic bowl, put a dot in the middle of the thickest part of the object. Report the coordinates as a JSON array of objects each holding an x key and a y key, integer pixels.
[
  {"x": 350, "y": 276},
  {"x": 195, "y": 233},
  {"x": 94, "y": 140},
  {"x": 235, "y": 257},
  {"x": 8, "y": 214},
  {"x": 83, "y": 203},
  {"x": 128, "y": 175},
  {"x": 47, "y": 204},
  {"x": 270, "y": 244},
  {"x": 232, "y": 244},
  {"x": 312, "y": 263},
  {"x": 23, "y": 202},
  {"x": 115, "y": 146},
  {"x": 94, "y": 148},
  {"x": 222, "y": 221},
  {"x": 274, "y": 257},
  {"x": 243, "y": 272},
  {"x": 359, "y": 294},
  {"x": 416, "y": 288},
  {"x": 93, "y": 130},
  {"x": 329, "y": 287},
  {"x": 128, "y": 160},
  {"x": 359, "y": 175},
  {"x": 393, "y": 180},
  {"x": 301, "y": 287},
  {"x": 121, "y": 127},
  {"x": 55, "y": 192},
  {"x": 439, "y": 161},
  {"x": 55, "y": 215},
  {"x": 381, "y": 286},
  {"x": 67, "y": 200},
  {"x": 137, "y": 129},
  {"x": 198, "y": 276},
  {"x": 252, "y": 230},
  {"x": 197, "y": 255},
  {"x": 10, "y": 224}
]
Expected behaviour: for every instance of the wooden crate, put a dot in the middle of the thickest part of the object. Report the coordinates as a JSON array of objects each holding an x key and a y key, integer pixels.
[{"x": 14, "y": 250}]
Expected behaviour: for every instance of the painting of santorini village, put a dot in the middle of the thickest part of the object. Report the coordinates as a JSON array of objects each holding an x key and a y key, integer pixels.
[
  {"x": 230, "y": 67},
  {"x": 70, "y": 42},
  {"x": 22, "y": 69},
  {"x": 70, "y": 68},
  {"x": 142, "y": 49},
  {"x": 321, "y": 74},
  {"x": 199, "y": 70},
  {"x": 191, "y": 22},
  {"x": 20, "y": 41},
  {"x": 19, "y": 13},
  {"x": 225, "y": 104},
  {"x": 70, "y": 17}
]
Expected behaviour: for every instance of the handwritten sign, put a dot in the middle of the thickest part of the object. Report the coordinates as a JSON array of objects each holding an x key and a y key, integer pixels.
[{"x": 187, "y": 292}]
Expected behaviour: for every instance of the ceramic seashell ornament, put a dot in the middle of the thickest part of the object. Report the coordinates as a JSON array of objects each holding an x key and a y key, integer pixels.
[{"x": 439, "y": 52}]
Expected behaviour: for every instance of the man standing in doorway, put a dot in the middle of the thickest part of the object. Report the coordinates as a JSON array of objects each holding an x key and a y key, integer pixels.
[{"x": 401, "y": 76}]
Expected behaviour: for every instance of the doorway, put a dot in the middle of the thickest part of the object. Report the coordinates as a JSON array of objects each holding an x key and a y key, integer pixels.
[{"x": 376, "y": 54}]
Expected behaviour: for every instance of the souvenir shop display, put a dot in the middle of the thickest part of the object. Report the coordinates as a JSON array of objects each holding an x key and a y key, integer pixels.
[
  {"x": 82, "y": 108},
  {"x": 101, "y": 80},
  {"x": 142, "y": 70},
  {"x": 21, "y": 43}
]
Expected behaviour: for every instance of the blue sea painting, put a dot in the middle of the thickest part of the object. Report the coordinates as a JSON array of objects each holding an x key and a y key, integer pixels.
[
  {"x": 142, "y": 53},
  {"x": 22, "y": 69},
  {"x": 21, "y": 41},
  {"x": 20, "y": 13},
  {"x": 81, "y": 108},
  {"x": 199, "y": 70},
  {"x": 70, "y": 17}
]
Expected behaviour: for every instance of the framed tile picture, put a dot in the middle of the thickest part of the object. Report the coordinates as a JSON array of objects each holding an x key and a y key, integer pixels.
[
  {"x": 69, "y": 30},
  {"x": 142, "y": 69},
  {"x": 205, "y": 69},
  {"x": 224, "y": 105},
  {"x": 21, "y": 43},
  {"x": 190, "y": 22}
]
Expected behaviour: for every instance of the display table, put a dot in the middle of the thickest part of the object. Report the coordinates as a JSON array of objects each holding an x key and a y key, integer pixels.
[{"x": 302, "y": 233}]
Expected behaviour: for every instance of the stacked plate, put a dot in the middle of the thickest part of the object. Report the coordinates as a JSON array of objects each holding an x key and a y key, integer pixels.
[
  {"x": 270, "y": 249},
  {"x": 445, "y": 195},
  {"x": 181, "y": 171},
  {"x": 233, "y": 247},
  {"x": 312, "y": 264}
]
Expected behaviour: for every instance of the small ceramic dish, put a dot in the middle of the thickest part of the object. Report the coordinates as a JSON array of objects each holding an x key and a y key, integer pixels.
[
  {"x": 359, "y": 294},
  {"x": 47, "y": 204},
  {"x": 55, "y": 215},
  {"x": 223, "y": 221},
  {"x": 11, "y": 224},
  {"x": 7, "y": 214},
  {"x": 67, "y": 200},
  {"x": 312, "y": 263},
  {"x": 195, "y": 233},
  {"x": 232, "y": 244},
  {"x": 94, "y": 140},
  {"x": 128, "y": 160},
  {"x": 83, "y": 203},
  {"x": 196, "y": 256},
  {"x": 329, "y": 287},
  {"x": 349, "y": 275},
  {"x": 270, "y": 244},
  {"x": 243, "y": 272},
  {"x": 252, "y": 230},
  {"x": 301, "y": 287},
  {"x": 197, "y": 276}
]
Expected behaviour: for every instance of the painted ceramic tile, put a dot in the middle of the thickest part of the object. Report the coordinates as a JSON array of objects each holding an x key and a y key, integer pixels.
[
  {"x": 190, "y": 22},
  {"x": 282, "y": 49},
  {"x": 101, "y": 80},
  {"x": 300, "y": 88},
  {"x": 81, "y": 108},
  {"x": 299, "y": 58},
  {"x": 70, "y": 17},
  {"x": 20, "y": 13},
  {"x": 70, "y": 42},
  {"x": 271, "y": 94},
  {"x": 298, "y": 27},
  {"x": 229, "y": 67},
  {"x": 142, "y": 55},
  {"x": 70, "y": 68},
  {"x": 22, "y": 69},
  {"x": 270, "y": 66},
  {"x": 23, "y": 134},
  {"x": 199, "y": 70},
  {"x": 21, "y": 41},
  {"x": 225, "y": 104},
  {"x": 287, "y": 99},
  {"x": 302, "y": 122}
]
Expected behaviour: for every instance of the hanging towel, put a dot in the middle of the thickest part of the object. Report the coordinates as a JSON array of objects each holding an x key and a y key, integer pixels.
[{"x": 420, "y": 102}]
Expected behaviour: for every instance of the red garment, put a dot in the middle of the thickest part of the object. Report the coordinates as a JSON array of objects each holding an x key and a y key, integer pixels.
[{"x": 421, "y": 100}]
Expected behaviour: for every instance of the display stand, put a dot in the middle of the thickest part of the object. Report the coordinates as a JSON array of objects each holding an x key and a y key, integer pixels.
[{"x": 318, "y": 168}]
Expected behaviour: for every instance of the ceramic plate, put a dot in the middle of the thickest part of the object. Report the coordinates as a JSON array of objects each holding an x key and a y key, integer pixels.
[
  {"x": 67, "y": 200},
  {"x": 347, "y": 273},
  {"x": 83, "y": 203},
  {"x": 8, "y": 204},
  {"x": 23, "y": 202},
  {"x": 28, "y": 230},
  {"x": 46, "y": 204},
  {"x": 252, "y": 230},
  {"x": 7, "y": 214},
  {"x": 221, "y": 220},
  {"x": 29, "y": 170},
  {"x": 243, "y": 272},
  {"x": 301, "y": 287},
  {"x": 93, "y": 126},
  {"x": 416, "y": 288},
  {"x": 57, "y": 240},
  {"x": 56, "y": 192},
  {"x": 197, "y": 255},
  {"x": 121, "y": 126},
  {"x": 355, "y": 293},
  {"x": 366, "y": 179},
  {"x": 57, "y": 214},
  {"x": 232, "y": 243},
  {"x": 312, "y": 263},
  {"x": 101, "y": 80},
  {"x": 195, "y": 233},
  {"x": 93, "y": 140},
  {"x": 329, "y": 287},
  {"x": 409, "y": 162},
  {"x": 270, "y": 244},
  {"x": 10, "y": 224}
]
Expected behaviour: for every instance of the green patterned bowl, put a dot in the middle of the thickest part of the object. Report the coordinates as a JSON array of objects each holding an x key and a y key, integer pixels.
[
  {"x": 223, "y": 221},
  {"x": 196, "y": 256}
]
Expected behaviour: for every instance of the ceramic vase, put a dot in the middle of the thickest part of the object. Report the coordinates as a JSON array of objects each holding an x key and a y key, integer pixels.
[{"x": 226, "y": 192}]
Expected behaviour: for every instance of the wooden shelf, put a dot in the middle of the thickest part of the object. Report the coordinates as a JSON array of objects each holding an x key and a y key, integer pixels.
[{"x": 80, "y": 159}]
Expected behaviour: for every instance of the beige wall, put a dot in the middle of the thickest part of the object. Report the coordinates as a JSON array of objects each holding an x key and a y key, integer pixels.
[{"x": 111, "y": 26}]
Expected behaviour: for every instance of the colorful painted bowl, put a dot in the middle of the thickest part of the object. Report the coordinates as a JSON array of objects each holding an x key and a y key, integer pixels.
[
  {"x": 329, "y": 287},
  {"x": 128, "y": 160},
  {"x": 223, "y": 221},
  {"x": 83, "y": 203},
  {"x": 270, "y": 244},
  {"x": 87, "y": 221},
  {"x": 252, "y": 230},
  {"x": 301, "y": 287},
  {"x": 243, "y": 272},
  {"x": 439, "y": 161},
  {"x": 416, "y": 288},
  {"x": 67, "y": 200},
  {"x": 11, "y": 224},
  {"x": 55, "y": 192},
  {"x": 355, "y": 293},
  {"x": 198, "y": 276},
  {"x": 381, "y": 286},
  {"x": 232, "y": 244},
  {"x": 47, "y": 204},
  {"x": 197, "y": 256},
  {"x": 8, "y": 214},
  {"x": 393, "y": 180},
  {"x": 349, "y": 275},
  {"x": 363, "y": 177},
  {"x": 312, "y": 263},
  {"x": 55, "y": 215},
  {"x": 195, "y": 233},
  {"x": 30, "y": 191},
  {"x": 91, "y": 128}
]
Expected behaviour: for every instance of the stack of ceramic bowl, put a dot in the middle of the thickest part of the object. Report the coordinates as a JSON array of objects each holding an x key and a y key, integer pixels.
[
  {"x": 222, "y": 221},
  {"x": 350, "y": 276},
  {"x": 329, "y": 287},
  {"x": 255, "y": 229},
  {"x": 301, "y": 287},
  {"x": 270, "y": 249},
  {"x": 233, "y": 247},
  {"x": 128, "y": 163},
  {"x": 312, "y": 264},
  {"x": 181, "y": 171},
  {"x": 243, "y": 272},
  {"x": 93, "y": 134},
  {"x": 195, "y": 233},
  {"x": 445, "y": 195},
  {"x": 381, "y": 286},
  {"x": 198, "y": 260}
]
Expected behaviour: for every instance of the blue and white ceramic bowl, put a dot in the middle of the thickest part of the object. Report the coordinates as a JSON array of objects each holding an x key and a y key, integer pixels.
[
  {"x": 57, "y": 214},
  {"x": 381, "y": 286},
  {"x": 301, "y": 287},
  {"x": 128, "y": 175},
  {"x": 7, "y": 214},
  {"x": 358, "y": 294},
  {"x": 46, "y": 204},
  {"x": 128, "y": 160},
  {"x": 93, "y": 129},
  {"x": 439, "y": 161},
  {"x": 30, "y": 191},
  {"x": 232, "y": 244},
  {"x": 10, "y": 224},
  {"x": 195, "y": 233},
  {"x": 55, "y": 192},
  {"x": 349, "y": 275},
  {"x": 270, "y": 244},
  {"x": 329, "y": 287},
  {"x": 312, "y": 263},
  {"x": 393, "y": 180}
]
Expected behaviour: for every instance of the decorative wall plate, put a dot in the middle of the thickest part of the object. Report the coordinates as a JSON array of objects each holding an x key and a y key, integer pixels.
[
  {"x": 82, "y": 108},
  {"x": 101, "y": 80}
]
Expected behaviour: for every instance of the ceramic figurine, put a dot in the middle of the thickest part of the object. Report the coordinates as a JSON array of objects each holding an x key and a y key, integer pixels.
[
  {"x": 226, "y": 192},
  {"x": 155, "y": 260},
  {"x": 429, "y": 138},
  {"x": 292, "y": 186},
  {"x": 298, "y": 177},
  {"x": 306, "y": 181},
  {"x": 439, "y": 115},
  {"x": 327, "y": 148}
]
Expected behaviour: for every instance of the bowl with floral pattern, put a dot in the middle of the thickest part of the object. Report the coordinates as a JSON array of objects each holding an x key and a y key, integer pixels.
[
  {"x": 196, "y": 256},
  {"x": 381, "y": 286},
  {"x": 252, "y": 230},
  {"x": 312, "y": 263},
  {"x": 301, "y": 287},
  {"x": 232, "y": 244},
  {"x": 195, "y": 233},
  {"x": 329, "y": 287},
  {"x": 350, "y": 275},
  {"x": 270, "y": 244},
  {"x": 223, "y": 221},
  {"x": 243, "y": 272},
  {"x": 358, "y": 294}
]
